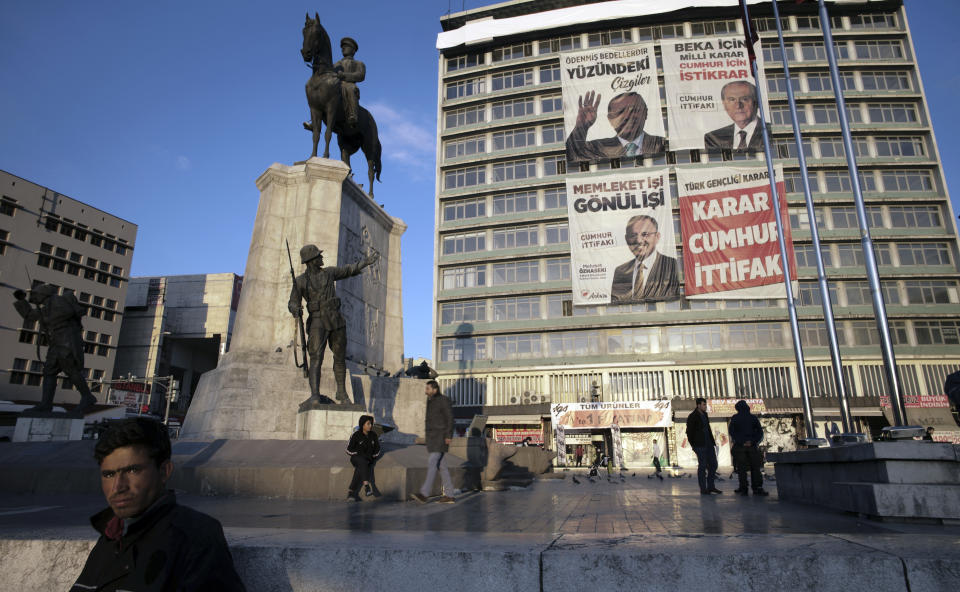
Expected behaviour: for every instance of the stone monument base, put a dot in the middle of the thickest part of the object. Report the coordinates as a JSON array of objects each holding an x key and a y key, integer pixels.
[
  {"x": 899, "y": 480},
  {"x": 51, "y": 428},
  {"x": 328, "y": 422}
]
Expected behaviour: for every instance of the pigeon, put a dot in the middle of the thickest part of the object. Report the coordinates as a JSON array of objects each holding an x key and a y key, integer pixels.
[
  {"x": 575, "y": 480},
  {"x": 591, "y": 479},
  {"x": 634, "y": 475}
]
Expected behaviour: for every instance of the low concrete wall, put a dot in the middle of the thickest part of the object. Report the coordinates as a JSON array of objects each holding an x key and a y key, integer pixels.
[{"x": 290, "y": 561}]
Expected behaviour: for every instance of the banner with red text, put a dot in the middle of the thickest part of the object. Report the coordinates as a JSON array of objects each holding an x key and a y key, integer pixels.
[
  {"x": 730, "y": 235},
  {"x": 611, "y": 103},
  {"x": 632, "y": 414},
  {"x": 711, "y": 94},
  {"x": 622, "y": 245}
]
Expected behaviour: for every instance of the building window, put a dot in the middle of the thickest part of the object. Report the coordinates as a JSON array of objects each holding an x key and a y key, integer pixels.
[
  {"x": 465, "y": 147},
  {"x": 885, "y": 80},
  {"x": 464, "y": 209},
  {"x": 512, "y": 203},
  {"x": 892, "y": 113},
  {"x": 458, "y": 118},
  {"x": 463, "y": 243},
  {"x": 551, "y": 104},
  {"x": 818, "y": 82},
  {"x": 557, "y": 233},
  {"x": 512, "y": 79},
  {"x": 469, "y": 60},
  {"x": 465, "y": 348},
  {"x": 694, "y": 338},
  {"x": 915, "y": 217},
  {"x": 518, "y": 272},
  {"x": 806, "y": 255},
  {"x": 937, "y": 332},
  {"x": 465, "y": 177},
  {"x": 4, "y": 235},
  {"x": 473, "y": 276},
  {"x": 793, "y": 183},
  {"x": 814, "y": 334},
  {"x": 931, "y": 291},
  {"x": 614, "y": 37},
  {"x": 559, "y": 44},
  {"x": 924, "y": 253},
  {"x": 839, "y": 182},
  {"x": 574, "y": 343},
  {"x": 512, "y": 52},
  {"x": 8, "y": 206},
  {"x": 799, "y": 220},
  {"x": 452, "y": 313},
  {"x": 907, "y": 180},
  {"x": 551, "y": 134},
  {"x": 555, "y": 198},
  {"x": 772, "y": 53},
  {"x": 780, "y": 115},
  {"x": 878, "y": 50},
  {"x": 858, "y": 293},
  {"x": 515, "y": 238},
  {"x": 549, "y": 73},
  {"x": 813, "y": 51},
  {"x": 514, "y": 108},
  {"x": 850, "y": 255},
  {"x": 809, "y": 294},
  {"x": 898, "y": 146},
  {"x": 554, "y": 165},
  {"x": 465, "y": 88},
  {"x": 521, "y": 308},
  {"x": 514, "y": 170},
  {"x": 514, "y": 347},
  {"x": 777, "y": 83},
  {"x": 516, "y": 138},
  {"x": 558, "y": 269},
  {"x": 831, "y": 148}
]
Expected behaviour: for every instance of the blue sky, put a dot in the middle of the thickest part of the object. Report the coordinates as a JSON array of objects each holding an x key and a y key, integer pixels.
[{"x": 165, "y": 113}]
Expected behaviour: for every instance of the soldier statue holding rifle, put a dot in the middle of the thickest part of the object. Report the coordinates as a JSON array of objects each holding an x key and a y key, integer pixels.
[
  {"x": 326, "y": 324},
  {"x": 59, "y": 318}
]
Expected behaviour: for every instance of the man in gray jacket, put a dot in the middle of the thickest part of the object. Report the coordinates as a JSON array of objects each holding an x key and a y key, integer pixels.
[{"x": 438, "y": 424}]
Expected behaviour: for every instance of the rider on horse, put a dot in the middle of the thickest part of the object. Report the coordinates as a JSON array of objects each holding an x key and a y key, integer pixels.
[{"x": 350, "y": 71}]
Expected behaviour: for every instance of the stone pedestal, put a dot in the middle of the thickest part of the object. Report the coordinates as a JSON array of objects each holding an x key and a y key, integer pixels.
[
  {"x": 48, "y": 429},
  {"x": 902, "y": 480},
  {"x": 255, "y": 391},
  {"x": 332, "y": 422}
]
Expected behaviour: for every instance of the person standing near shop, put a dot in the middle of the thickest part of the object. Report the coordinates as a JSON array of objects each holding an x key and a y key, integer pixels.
[
  {"x": 701, "y": 440},
  {"x": 745, "y": 435},
  {"x": 656, "y": 460},
  {"x": 579, "y": 454}
]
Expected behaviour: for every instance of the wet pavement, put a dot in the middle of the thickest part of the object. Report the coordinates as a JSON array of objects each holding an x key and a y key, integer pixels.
[{"x": 633, "y": 505}]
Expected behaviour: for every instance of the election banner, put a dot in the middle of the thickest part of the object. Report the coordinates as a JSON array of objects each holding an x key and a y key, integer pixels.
[
  {"x": 623, "y": 414},
  {"x": 611, "y": 103},
  {"x": 731, "y": 249},
  {"x": 622, "y": 246},
  {"x": 711, "y": 94}
]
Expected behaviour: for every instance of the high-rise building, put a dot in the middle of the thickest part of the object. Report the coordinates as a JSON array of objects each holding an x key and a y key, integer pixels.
[
  {"x": 508, "y": 341},
  {"x": 48, "y": 237}
]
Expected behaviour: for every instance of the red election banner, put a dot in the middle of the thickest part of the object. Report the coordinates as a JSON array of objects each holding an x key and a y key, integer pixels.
[{"x": 730, "y": 246}]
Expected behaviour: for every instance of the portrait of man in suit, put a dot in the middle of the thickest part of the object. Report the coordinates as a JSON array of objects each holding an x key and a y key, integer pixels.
[
  {"x": 739, "y": 99},
  {"x": 627, "y": 114},
  {"x": 649, "y": 275}
]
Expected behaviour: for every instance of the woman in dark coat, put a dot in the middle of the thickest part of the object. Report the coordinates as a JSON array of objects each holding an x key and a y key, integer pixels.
[{"x": 364, "y": 449}]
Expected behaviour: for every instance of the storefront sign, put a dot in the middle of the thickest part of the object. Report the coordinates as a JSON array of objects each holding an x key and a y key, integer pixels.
[
  {"x": 637, "y": 414},
  {"x": 919, "y": 401},
  {"x": 516, "y": 436},
  {"x": 726, "y": 407}
]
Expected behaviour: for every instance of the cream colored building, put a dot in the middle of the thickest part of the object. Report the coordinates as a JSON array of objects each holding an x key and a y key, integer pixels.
[{"x": 507, "y": 341}]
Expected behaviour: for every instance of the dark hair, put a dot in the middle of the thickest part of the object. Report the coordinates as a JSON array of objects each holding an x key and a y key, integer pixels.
[
  {"x": 699, "y": 400},
  {"x": 435, "y": 385},
  {"x": 149, "y": 434}
]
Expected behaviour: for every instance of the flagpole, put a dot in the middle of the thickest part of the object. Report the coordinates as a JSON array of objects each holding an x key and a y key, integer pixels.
[
  {"x": 869, "y": 258},
  {"x": 784, "y": 258},
  {"x": 836, "y": 361}
]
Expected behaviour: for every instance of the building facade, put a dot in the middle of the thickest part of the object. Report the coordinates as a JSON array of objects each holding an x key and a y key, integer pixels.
[
  {"x": 175, "y": 326},
  {"x": 509, "y": 342},
  {"x": 48, "y": 237}
]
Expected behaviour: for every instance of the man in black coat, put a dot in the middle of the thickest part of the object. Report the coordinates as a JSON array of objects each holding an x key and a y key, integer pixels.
[
  {"x": 701, "y": 440},
  {"x": 739, "y": 99},
  {"x": 745, "y": 434},
  {"x": 147, "y": 541},
  {"x": 649, "y": 275},
  {"x": 438, "y": 424},
  {"x": 627, "y": 114}
]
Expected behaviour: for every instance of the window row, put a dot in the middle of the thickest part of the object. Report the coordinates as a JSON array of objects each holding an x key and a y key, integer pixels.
[
  {"x": 816, "y": 51},
  {"x": 843, "y": 217},
  {"x": 525, "y": 137},
  {"x": 82, "y": 232},
  {"x": 505, "y": 204},
  {"x": 98, "y": 307},
  {"x": 887, "y": 147},
  {"x": 8, "y": 206},
  {"x": 513, "y": 237},
  {"x": 501, "y": 172},
  {"x": 71, "y": 262},
  {"x": 895, "y": 293},
  {"x": 804, "y": 23},
  {"x": 691, "y": 339},
  {"x": 30, "y": 373}
]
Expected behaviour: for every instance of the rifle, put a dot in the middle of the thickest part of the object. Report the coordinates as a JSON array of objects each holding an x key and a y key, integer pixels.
[{"x": 299, "y": 323}]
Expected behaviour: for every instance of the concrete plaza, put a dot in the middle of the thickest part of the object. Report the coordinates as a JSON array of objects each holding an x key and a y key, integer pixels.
[{"x": 554, "y": 535}]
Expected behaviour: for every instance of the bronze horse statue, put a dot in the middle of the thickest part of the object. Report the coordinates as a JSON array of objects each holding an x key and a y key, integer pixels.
[{"x": 326, "y": 107}]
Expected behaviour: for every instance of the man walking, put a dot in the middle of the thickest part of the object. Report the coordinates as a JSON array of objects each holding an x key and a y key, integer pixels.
[
  {"x": 438, "y": 424},
  {"x": 701, "y": 440},
  {"x": 656, "y": 460},
  {"x": 745, "y": 434}
]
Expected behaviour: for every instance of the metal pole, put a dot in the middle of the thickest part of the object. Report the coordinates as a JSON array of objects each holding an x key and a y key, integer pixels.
[
  {"x": 835, "y": 359},
  {"x": 870, "y": 260},
  {"x": 784, "y": 259}
]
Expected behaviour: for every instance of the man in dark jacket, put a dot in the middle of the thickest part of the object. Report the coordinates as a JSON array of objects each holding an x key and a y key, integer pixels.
[
  {"x": 745, "y": 435},
  {"x": 147, "y": 541},
  {"x": 438, "y": 424},
  {"x": 701, "y": 440},
  {"x": 364, "y": 449}
]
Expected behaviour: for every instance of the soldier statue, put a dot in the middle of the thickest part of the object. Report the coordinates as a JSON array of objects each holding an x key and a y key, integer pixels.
[
  {"x": 325, "y": 324},
  {"x": 349, "y": 72},
  {"x": 59, "y": 318}
]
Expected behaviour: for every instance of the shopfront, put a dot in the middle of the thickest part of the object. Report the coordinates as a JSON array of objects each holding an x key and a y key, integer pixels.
[{"x": 623, "y": 431}]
